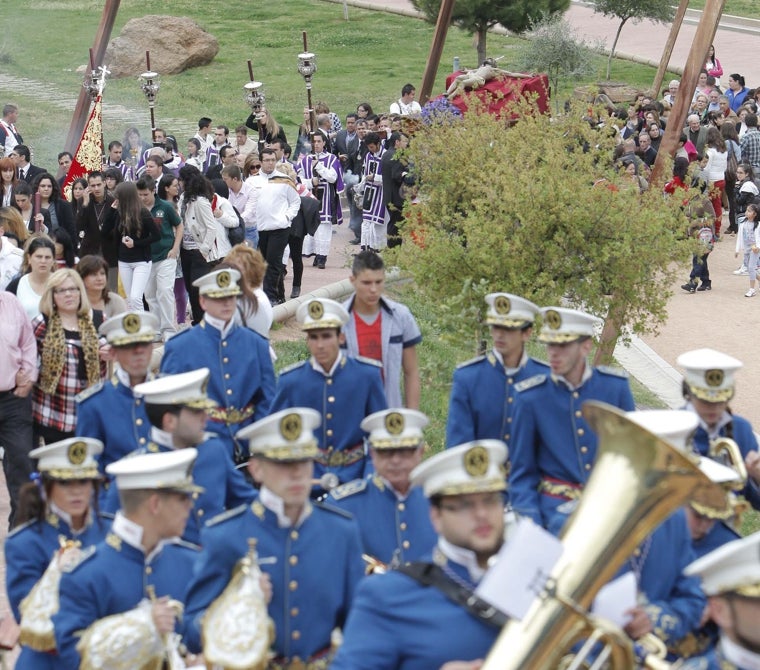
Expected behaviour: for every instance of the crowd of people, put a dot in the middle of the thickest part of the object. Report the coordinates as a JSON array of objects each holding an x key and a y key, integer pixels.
[
  {"x": 164, "y": 479},
  {"x": 718, "y": 153}
]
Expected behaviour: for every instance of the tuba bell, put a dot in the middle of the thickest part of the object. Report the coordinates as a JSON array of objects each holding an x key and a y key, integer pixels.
[
  {"x": 236, "y": 629},
  {"x": 639, "y": 479}
]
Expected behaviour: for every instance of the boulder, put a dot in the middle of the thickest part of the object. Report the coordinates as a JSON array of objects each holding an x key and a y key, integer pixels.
[{"x": 175, "y": 43}]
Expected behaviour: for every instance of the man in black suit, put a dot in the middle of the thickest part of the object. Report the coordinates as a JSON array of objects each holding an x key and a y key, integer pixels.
[
  {"x": 395, "y": 173},
  {"x": 227, "y": 158},
  {"x": 22, "y": 157},
  {"x": 346, "y": 148}
]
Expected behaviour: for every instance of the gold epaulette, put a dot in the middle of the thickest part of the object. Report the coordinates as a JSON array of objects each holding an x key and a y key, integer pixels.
[
  {"x": 531, "y": 382},
  {"x": 90, "y": 391},
  {"x": 229, "y": 514},
  {"x": 348, "y": 489}
]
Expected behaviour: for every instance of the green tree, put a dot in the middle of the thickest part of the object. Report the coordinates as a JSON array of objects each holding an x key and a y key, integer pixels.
[
  {"x": 553, "y": 47},
  {"x": 635, "y": 10},
  {"x": 479, "y": 16},
  {"x": 539, "y": 210}
]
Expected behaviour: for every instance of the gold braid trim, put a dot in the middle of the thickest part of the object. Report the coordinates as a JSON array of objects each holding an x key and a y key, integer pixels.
[{"x": 54, "y": 352}]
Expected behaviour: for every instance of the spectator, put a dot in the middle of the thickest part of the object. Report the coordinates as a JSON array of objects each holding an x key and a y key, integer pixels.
[
  {"x": 67, "y": 341},
  {"x": 94, "y": 273},
  {"x": 38, "y": 265}
]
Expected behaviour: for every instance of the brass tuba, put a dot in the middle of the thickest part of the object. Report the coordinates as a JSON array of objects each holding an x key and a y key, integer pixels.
[
  {"x": 236, "y": 628},
  {"x": 726, "y": 451},
  {"x": 639, "y": 479}
]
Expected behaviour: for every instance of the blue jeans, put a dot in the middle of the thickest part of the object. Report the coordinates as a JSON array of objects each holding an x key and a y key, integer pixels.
[
  {"x": 252, "y": 237},
  {"x": 699, "y": 269}
]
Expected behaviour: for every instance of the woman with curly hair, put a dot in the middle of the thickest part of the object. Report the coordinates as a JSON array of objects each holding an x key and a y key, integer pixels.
[
  {"x": 137, "y": 231},
  {"x": 59, "y": 209},
  {"x": 67, "y": 343}
]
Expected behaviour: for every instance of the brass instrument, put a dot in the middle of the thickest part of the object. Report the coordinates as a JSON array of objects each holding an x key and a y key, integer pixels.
[
  {"x": 41, "y": 603},
  {"x": 639, "y": 479},
  {"x": 726, "y": 451},
  {"x": 733, "y": 506},
  {"x": 236, "y": 630}
]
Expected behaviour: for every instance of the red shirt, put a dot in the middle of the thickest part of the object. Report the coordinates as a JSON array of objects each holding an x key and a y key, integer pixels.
[{"x": 370, "y": 337}]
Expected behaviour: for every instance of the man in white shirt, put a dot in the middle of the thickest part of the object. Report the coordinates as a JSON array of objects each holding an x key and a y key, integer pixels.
[
  {"x": 9, "y": 136},
  {"x": 242, "y": 200},
  {"x": 406, "y": 104},
  {"x": 276, "y": 202}
]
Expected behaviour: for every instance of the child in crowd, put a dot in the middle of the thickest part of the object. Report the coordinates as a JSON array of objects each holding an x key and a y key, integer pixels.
[{"x": 751, "y": 241}]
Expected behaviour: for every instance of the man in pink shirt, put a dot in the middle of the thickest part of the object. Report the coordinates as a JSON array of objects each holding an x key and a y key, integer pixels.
[{"x": 18, "y": 371}]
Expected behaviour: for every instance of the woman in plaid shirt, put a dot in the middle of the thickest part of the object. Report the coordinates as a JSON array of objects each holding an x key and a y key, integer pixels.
[{"x": 67, "y": 342}]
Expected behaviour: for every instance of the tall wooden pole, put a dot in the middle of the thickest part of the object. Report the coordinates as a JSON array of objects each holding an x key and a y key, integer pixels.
[
  {"x": 82, "y": 109},
  {"x": 704, "y": 37},
  {"x": 667, "y": 52},
  {"x": 436, "y": 49}
]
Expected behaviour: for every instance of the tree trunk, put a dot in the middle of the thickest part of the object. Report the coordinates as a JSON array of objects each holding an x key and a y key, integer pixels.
[
  {"x": 610, "y": 333},
  {"x": 614, "y": 45},
  {"x": 481, "y": 48}
]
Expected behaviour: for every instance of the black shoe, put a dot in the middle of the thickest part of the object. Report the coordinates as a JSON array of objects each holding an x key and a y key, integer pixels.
[
  {"x": 691, "y": 287},
  {"x": 355, "y": 241},
  {"x": 705, "y": 286},
  {"x": 322, "y": 261},
  {"x": 315, "y": 262},
  {"x": 295, "y": 292}
]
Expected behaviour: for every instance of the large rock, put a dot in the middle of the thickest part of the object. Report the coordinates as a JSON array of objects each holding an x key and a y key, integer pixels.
[{"x": 175, "y": 44}]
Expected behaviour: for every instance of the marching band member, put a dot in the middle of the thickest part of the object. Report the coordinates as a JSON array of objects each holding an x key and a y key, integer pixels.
[
  {"x": 425, "y": 614},
  {"x": 483, "y": 393},
  {"x": 731, "y": 579},
  {"x": 552, "y": 446},
  {"x": 134, "y": 572},
  {"x": 110, "y": 411},
  {"x": 242, "y": 379},
  {"x": 393, "y": 515},
  {"x": 56, "y": 510},
  {"x": 176, "y": 407},
  {"x": 343, "y": 390},
  {"x": 312, "y": 552},
  {"x": 708, "y": 386}
]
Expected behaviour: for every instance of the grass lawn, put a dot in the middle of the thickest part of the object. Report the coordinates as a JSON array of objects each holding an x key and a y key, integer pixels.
[
  {"x": 357, "y": 62},
  {"x": 747, "y": 8}
]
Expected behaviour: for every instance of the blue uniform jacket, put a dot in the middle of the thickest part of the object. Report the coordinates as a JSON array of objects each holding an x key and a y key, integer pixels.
[
  {"x": 28, "y": 552},
  {"x": 551, "y": 439},
  {"x": 674, "y": 602},
  {"x": 110, "y": 413},
  {"x": 241, "y": 379},
  {"x": 390, "y": 528},
  {"x": 481, "y": 405},
  {"x": 352, "y": 392},
  {"x": 113, "y": 580},
  {"x": 741, "y": 432},
  {"x": 398, "y": 624},
  {"x": 225, "y": 487},
  {"x": 314, "y": 574}
]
